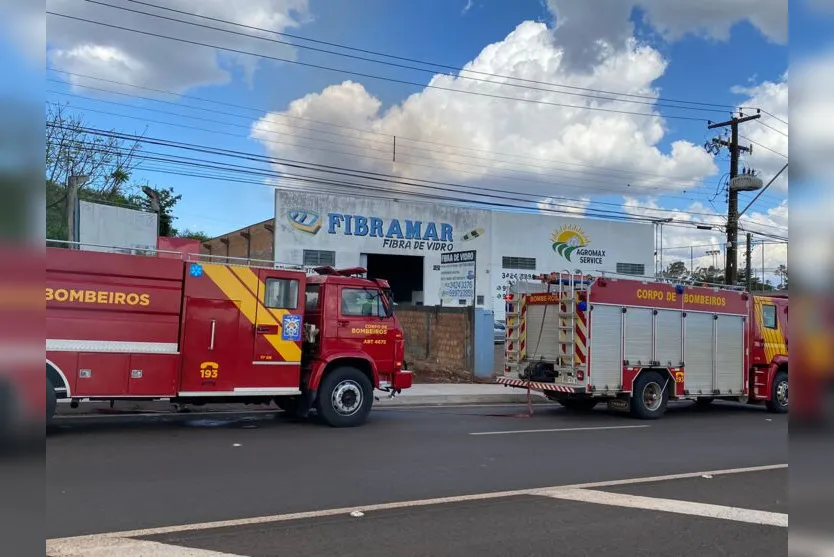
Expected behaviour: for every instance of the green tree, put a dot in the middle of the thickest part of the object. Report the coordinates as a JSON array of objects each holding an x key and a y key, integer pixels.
[
  {"x": 756, "y": 283},
  {"x": 194, "y": 235},
  {"x": 676, "y": 271},
  {"x": 782, "y": 273},
  {"x": 74, "y": 149},
  {"x": 709, "y": 275}
]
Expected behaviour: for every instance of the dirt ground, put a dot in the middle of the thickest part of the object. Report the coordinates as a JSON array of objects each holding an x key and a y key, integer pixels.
[{"x": 428, "y": 372}]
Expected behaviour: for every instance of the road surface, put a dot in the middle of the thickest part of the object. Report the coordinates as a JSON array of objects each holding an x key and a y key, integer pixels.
[{"x": 447, "y": 481}]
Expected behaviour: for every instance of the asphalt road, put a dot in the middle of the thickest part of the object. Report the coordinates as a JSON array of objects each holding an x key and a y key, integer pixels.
[{"x": 112, "y": 477}]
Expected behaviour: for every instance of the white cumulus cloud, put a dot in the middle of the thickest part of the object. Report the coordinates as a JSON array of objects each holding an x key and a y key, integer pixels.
[
  {"x": 525, "y": 148},
  {"x": 590, "y": 30},
  {"x": 82, "y": 48}
]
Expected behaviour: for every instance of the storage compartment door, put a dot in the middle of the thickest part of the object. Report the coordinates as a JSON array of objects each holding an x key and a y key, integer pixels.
[
  {"x": 606, "y": 350},
  {"x": 638, "y": 337},
  {"x": 668, "y": 327},
  {"x": 699, "y": 353},
  {"x": 729, "y": 350}
]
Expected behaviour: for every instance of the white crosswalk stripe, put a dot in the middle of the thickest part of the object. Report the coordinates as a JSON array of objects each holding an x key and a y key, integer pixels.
[
  {"x": 125, "y": 544},
  {"x": 100, "y": 546}
]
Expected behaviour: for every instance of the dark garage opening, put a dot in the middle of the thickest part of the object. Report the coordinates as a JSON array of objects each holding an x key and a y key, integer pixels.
[{"x": 403, "y": 272}]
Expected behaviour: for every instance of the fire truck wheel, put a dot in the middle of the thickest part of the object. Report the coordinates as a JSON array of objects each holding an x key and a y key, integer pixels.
[
  {"x": 345, "y": 397},
  {"x": 51, "y": 401},
  {"x": 778, "y": 402},
  {"x": 650, "y": 398}
]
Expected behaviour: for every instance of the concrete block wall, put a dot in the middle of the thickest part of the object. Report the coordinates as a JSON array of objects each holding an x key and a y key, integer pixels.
[{"x": 441, "y": 336}]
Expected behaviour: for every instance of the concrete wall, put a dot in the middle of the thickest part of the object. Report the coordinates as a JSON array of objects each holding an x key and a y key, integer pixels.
[{"x": 441, "y": 336}]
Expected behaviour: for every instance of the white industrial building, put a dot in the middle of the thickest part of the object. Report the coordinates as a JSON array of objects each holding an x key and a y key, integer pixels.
[{"x": 409, "y": 243}]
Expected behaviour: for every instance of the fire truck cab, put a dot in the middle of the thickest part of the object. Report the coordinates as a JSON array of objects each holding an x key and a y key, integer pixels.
[
  {"x": 636, "y": 345},
  {"x": 137, "y": 327}
]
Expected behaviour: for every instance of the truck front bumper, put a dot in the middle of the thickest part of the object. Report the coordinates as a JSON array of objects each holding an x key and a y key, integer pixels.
[{"x": 402, "y": 379}]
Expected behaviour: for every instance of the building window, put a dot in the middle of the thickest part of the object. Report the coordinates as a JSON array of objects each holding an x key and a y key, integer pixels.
[
  {"x": 519, "y": 263},
  {"x": 769, "y": 317},
  {"x": 311, "y": 295},
  {"x": 363, "y": 302},
  {"x": 281, "y": 293},
  {"x": 319, "y": 258},
  {"x": 637, "y": 269}
]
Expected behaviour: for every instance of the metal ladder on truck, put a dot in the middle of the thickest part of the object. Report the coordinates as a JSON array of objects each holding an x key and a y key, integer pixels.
[
  {"x": 512, "y": 322},
  {"x": 568, "y": 292}
]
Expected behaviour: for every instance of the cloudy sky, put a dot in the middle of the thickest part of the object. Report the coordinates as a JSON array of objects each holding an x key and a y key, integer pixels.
[{"x": 571, "y": 106}]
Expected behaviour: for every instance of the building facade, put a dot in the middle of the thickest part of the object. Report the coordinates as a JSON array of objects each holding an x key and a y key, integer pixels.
[{"x": 439, "y": 254}]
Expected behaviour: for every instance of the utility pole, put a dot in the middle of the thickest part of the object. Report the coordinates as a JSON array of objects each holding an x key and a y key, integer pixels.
[
  {"x": 731, "y": 265},
  {"x": 749, "y": 262}
]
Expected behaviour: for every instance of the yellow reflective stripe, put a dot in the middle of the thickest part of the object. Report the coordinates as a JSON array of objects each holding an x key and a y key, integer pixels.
[
  {"x": 248, "y": 277},
  {"x": 232, "y": 282},
  {"x": 233, "y": 289},
  {"x": 774, "y": 339}
]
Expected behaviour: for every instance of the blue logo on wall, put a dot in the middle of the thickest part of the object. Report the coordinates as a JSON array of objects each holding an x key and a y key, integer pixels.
[
  {"x": 291, "y": 327},
  {"x": 394, "y": 233},
  {"x": 305, "y": 221},
  {"x": 196, "y": 270}
]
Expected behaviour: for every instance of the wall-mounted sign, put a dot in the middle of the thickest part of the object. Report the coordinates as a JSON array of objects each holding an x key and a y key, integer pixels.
[{"x": 457, "y": 276}]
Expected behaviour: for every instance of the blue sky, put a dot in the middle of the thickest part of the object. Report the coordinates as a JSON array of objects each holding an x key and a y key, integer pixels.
[{"x": 700, "y": 68}]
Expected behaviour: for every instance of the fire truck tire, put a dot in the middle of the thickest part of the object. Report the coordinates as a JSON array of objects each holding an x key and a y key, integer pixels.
[
  {"x": 345, "y": 397},
  {"x": 778, "y": 403},
  {"x": 51, "y": 401},
  {"x": 649, "y": 399}
]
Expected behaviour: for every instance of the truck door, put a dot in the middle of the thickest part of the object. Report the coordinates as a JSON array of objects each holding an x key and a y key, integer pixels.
[
  {"x": 365, "y": 324},
  {"x": 209, "y": 346},
  {"x": 278, "y": 328}
]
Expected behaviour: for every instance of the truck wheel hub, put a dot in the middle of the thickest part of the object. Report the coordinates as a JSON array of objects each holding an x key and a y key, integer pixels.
[
  {"x": 782, "y": 393},
  {"x": 652, "y": 396},
  {"x": 347, "y": 398}
]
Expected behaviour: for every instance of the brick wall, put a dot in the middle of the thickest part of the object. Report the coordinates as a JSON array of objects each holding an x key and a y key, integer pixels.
[
  {"x": 435, "y": 335},
  {"x": 235, "y": 244}
]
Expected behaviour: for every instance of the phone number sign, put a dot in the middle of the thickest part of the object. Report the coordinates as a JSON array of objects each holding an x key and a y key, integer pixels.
[{"x": 457, "y": 276}]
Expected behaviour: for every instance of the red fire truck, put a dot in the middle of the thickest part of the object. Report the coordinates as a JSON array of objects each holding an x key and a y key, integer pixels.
[
  {"x": 130, "y": 327},
  {"x": 637, "y": 344}
]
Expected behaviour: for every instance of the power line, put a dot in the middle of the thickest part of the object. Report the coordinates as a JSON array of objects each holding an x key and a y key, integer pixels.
[
  {"x": 772, "y": 115},
  {"x": 513, "y": 178},
  {"x": 768, "y": 126},
  {"x": 375, "y": 176},
  {"x": 400, "y": 138},
  {"x": 593, "y": 170},
  {"x": 765, "y": 147},
  {"x": 581, "y": 178},
  {"x": 370, "y": 76},
  {"x": 389, "y": 56}
]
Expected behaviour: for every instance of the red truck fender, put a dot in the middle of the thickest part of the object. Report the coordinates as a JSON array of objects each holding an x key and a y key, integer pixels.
[
  {"x": 359, "y": 360},
  {"x": 777, "y": 363}
]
